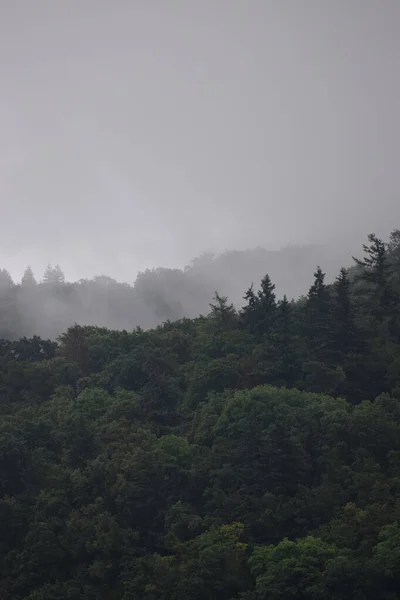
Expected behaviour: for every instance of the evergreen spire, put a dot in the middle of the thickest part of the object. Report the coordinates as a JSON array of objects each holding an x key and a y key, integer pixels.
[
  {"x": 53, "y": 275},
  {"x": 317, "y": 317},
  {"x": 28, "y": 278}
]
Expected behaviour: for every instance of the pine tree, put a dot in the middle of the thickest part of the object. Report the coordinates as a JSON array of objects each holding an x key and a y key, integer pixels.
[
  {"x": 318, "y": 291},
  {"x": 28, "y": 278},
  {"x": 53, "y": 276},
  {"x": 251, "y": 299},
  {"x": 284, "y": 345},
  {"x": 258, "y": 316},
  {"x": 394, "y": 244},
  {"x": 376, "y": 270},
  {"x": 6, "y": 281},
  {"x": 266, "y": 295},
  {"x": 317, "y": 321},
  {"x": 394, "y": 258},
  {"x": 267, "y": 304},
  {"x": 9, "y": 307},
  {"x": 48, "y": 274},
  {"x": 248, "y": 315},
  {"x": 284, "y": 320},
  {"x": 344, "y": 334},
  {"x": 223, "y": 313}
]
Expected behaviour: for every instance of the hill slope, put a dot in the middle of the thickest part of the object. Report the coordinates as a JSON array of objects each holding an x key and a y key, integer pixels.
[{"x": 248, "y": 454}]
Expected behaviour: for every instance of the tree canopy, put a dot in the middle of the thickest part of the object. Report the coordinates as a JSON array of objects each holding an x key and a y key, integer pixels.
[{"x": 248, "y": 454}]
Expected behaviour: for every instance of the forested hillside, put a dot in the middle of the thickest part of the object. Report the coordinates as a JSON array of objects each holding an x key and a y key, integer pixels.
[
  {"x": 48, "y": 307},
  {"x": 250, "y": 454}
]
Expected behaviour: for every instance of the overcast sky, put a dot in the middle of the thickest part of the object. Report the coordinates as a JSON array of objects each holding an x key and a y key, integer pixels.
[{"x": 137, "y": 133}]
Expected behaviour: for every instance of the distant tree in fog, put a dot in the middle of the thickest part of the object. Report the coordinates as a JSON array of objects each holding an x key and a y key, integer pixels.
[
  {"x": 5, "y": 279},
  {"x": 28, "y": 278},
  {"x": 53, "y": 275}
]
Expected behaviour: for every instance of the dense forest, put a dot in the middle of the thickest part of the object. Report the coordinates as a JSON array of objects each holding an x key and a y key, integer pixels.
[
  {"x": 252, "y": 453},
  {"x": 48, "y": 307}
]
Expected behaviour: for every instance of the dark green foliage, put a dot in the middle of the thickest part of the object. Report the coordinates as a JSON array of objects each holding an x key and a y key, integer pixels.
[
  {"x": 223, "y": 314},
  {"x": 249, "y": 455},
  {"x": 317, "y": 318},
  {"x": 377, "y": 270},
  {"x": 345, "y": 336},
  {"x": 259, "y": 313}
]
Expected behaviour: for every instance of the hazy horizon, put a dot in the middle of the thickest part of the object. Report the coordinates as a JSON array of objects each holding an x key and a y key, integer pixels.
[
  {"x": 138, "y": 134},
  {"x": 38, "y": 273}
]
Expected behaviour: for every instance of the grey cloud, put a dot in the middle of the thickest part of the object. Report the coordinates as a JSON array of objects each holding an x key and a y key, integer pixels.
[{"x": 137, "y": 134}]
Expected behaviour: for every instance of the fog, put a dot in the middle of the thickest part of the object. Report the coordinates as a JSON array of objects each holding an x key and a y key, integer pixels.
[
  {"x": 139, "y": 134},
  {"x": 47, "y": 308}
]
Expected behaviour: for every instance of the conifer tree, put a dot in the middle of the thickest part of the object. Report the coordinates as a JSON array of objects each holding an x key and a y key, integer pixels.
[
  {"x": 251, "y": 298},
  {"x": 223, "y": 313},
  {"x": 6, "y": 281},
  {"x": 258, "y": 315},
  {"x": 267, "y": 304},
  {"x": 283, "y": 341},
  {"x": 376, "y": 270},
  {"x": 284, "y": 320},
  {"x": 394, "y": 259},
  {"x": 9, "y": 308},
  {"x": 394, "y": 245},
  {"x": 317, "y": 321},
  {"x": 266, "y": 294},
  {"x": 28, "y": 278},
  {"x": 53, "y": 275},
  {"x": 344, "y": 335},
  {"x": 248, "y": 315}
]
